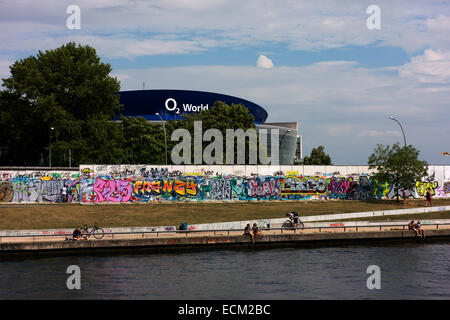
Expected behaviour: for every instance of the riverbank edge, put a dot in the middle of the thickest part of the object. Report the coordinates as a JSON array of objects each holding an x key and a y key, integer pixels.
[{"x": 158, "y": 245}]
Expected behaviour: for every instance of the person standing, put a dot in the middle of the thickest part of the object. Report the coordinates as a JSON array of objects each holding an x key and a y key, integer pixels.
[
  {"x": 64, "y": 194},
  {"x": 404, "y": 198},
  {"x": 428, "y": 196}
]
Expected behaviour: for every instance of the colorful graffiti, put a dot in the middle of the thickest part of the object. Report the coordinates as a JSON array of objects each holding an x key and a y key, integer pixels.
[
  {"x": 39, "y": 186},
  {"x": 166, "y": 188},
  {"x": 263, "y": 188},
  {"x": 38, "y": 190},
  {"x": 303, "y": 185},
  {"x": 423, "y": 186},
  {"x": 122, "y": 184}
]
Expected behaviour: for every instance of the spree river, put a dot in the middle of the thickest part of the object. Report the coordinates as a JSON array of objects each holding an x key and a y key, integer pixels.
[{"x": 408, "y": 271}]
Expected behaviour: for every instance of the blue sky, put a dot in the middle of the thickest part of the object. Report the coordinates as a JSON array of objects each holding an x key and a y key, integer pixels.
[
  {"x": 323, "y": 67},
  {"x": 368, "y": 56}
]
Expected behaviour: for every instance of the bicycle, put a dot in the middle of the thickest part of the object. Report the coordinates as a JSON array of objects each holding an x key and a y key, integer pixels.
[
  {"x": 289, "y": 224},
  {"x": 96, "y": 231}
]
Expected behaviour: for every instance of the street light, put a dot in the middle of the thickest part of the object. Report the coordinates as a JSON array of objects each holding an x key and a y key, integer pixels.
[
  {"x": 165, "y": 137},
  {"x": 404, "y": 139},
  {"x": 50, "y": 151}
]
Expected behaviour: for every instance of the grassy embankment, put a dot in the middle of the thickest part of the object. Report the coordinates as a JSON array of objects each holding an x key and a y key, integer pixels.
[{"x": 42, "y": 216}]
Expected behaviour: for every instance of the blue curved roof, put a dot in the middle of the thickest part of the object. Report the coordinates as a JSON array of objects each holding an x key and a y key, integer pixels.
[{"x": 172, "y": 104}]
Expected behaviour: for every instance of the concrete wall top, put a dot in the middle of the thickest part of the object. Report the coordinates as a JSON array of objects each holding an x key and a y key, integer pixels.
[
  {"x": 240, "y": 170},
  {"x": 440, "y": 172}
]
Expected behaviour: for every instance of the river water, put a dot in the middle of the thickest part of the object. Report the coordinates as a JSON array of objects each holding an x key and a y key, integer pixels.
[{"x": 408, "y": 271}]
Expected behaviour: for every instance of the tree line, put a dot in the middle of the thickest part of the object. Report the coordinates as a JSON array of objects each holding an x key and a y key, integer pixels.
[{"x": 64, "y": 102}]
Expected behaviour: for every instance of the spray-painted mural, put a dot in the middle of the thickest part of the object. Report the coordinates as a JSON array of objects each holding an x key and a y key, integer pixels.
[
  {"x": 121, "y": 184},
  {"x": 39, "y": 186}
]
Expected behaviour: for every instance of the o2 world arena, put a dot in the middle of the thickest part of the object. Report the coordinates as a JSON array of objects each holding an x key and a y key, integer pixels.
[{"x": 164, "y": 105}]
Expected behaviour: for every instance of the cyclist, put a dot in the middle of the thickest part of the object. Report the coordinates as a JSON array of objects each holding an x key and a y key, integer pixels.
[{"x": 293, "y": 216}]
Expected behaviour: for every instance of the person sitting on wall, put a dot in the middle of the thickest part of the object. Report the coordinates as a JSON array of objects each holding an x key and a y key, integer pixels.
[
  {"x": 76, "y": 235},
  {"x": 411, "y": 225},
  {"x": 248, "y": 232},
  {"x": 419, "y": 230},
  {"x": 256, "y": 231}
]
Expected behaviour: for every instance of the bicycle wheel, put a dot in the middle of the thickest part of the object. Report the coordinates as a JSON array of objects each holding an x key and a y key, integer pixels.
[
  {"x": 287, "y": 224},
  {"x": 98, "y": 233}
]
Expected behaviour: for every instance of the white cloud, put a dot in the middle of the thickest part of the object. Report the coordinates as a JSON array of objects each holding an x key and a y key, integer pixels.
[
  {"x": 439, "y": 24},
  {"x": 301, "y": 25},
  {"x": 431, "y": 67},
  {"x": 377, "y": 134},
  {"x": 264, "y": 62}
]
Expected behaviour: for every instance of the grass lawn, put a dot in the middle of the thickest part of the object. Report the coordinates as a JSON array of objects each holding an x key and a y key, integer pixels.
[{"x": 43, "y": 216}]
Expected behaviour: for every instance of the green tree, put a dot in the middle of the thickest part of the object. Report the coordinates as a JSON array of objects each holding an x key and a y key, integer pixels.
[
  {"x": 143, "y": 141},
  {"x": 318, "y": 157},
  {"x": 67, "y": 88},
  {"x": 398, "y": 166}
]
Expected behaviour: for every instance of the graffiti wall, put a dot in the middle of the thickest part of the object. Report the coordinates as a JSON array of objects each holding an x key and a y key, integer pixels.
[
  {"x": 39, "y": 186},
  {"x": 140, "y": 183}
]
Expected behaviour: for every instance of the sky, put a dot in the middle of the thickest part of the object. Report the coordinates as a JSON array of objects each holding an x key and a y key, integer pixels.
[{"x": 315, "y": 62}]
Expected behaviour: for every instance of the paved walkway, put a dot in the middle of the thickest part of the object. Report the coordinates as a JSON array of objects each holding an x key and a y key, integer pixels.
[{"x": 218, "y": 233}]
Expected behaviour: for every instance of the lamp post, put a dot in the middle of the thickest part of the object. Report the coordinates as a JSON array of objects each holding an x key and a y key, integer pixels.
[
  {"x": 50, "y": 150},
  {"x": 165, "y": 137},
  {"x": 404, "y": 138}
]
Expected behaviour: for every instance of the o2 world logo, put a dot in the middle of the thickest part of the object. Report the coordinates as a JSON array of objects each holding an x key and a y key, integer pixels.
[{"x": 171, "y": 105}]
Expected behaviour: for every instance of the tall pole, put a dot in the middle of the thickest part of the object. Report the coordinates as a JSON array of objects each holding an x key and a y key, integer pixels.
[
  {"x": 165, "y": 137},
  {"x": 50, "y": 150},
  {"x": 404, "y": 138}
]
